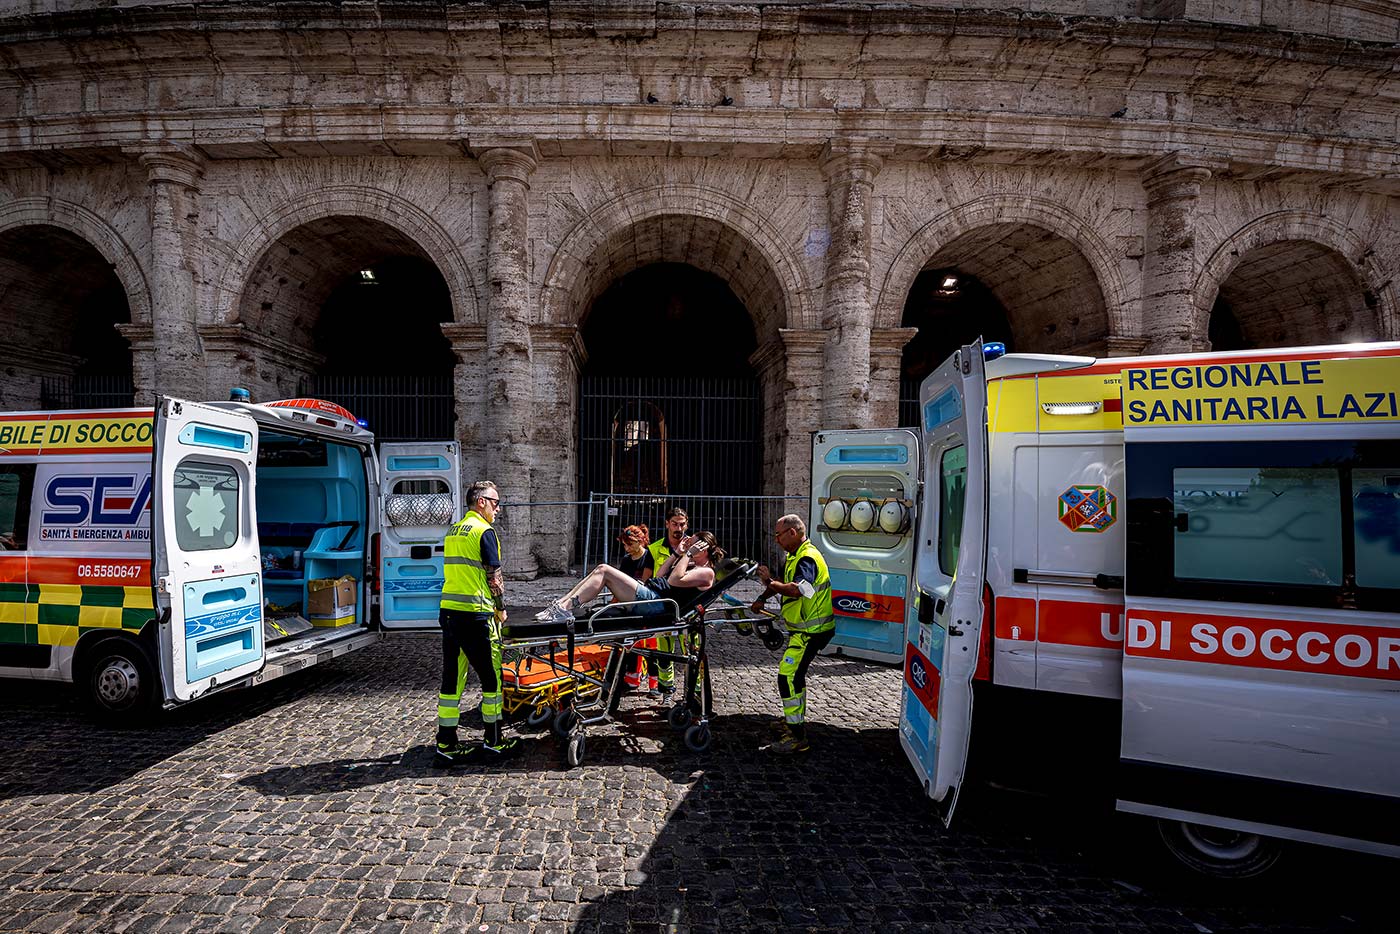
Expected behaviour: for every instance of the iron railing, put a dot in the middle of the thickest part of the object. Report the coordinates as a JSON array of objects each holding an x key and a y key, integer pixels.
[
  {"x": 396, "y": 408},
  {"x": 87, "y": 392},
  {"x": 909, "y": 402}
]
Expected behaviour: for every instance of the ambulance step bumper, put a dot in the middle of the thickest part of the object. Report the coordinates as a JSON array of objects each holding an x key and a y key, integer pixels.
[{"x": 312, "y": 649}]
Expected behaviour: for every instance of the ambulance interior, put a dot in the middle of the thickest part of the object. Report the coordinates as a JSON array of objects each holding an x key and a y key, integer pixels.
[{"x": 312, "y": 506}]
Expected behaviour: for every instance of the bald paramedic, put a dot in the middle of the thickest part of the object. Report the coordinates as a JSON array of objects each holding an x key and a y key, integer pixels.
[{"x": 806, "y": 611}]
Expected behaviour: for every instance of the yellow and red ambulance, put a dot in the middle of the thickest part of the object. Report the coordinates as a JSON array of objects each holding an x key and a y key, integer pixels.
[
  {"x": 1209, "y": 541},
  {"x": 155, "y": 557}
]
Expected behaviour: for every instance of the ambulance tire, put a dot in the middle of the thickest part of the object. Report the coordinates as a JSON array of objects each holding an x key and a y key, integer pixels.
[
  {"x": 1219, "y": 853},
  {"x": 118, "y": 681},
  {"x": 565, "y": 721}
]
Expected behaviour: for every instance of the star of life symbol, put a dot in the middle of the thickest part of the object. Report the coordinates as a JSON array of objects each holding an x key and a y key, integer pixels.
[
  {"x": 205, "y": 512},
  {"x": 1088, "y": 508}
]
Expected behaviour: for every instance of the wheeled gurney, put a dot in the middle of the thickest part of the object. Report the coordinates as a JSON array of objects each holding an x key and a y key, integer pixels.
[{"x": 585, "y": 696}]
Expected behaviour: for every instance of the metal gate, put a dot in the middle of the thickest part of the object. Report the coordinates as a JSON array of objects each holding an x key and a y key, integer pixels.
[
  {"x": 86, "y": 392},
  {"x": 396, "y": 408},
  {"x": 654, "y": 435}
]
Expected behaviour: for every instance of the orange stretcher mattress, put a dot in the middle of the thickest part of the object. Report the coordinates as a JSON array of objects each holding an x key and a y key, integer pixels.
[{"x": 590, "y": 659}]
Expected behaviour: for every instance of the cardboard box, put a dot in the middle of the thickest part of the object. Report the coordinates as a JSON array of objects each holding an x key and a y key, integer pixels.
[{"x": 331, "y": 601}]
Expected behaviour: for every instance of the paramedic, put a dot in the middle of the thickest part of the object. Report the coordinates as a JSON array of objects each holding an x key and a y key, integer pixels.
[
  {"x": 806, "y": 610},
  {"x": 677, "y": 522},
  {"x": 471, "y": 614}
]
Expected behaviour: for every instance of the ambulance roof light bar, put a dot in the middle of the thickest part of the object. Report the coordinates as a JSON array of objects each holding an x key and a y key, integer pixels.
[{"x": 993, "y": 349}]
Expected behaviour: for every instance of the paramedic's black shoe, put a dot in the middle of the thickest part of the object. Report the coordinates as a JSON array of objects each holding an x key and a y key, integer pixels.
[
  {"x": 790, "y": 745},
  {"x": 779, "y": 729},
  {"x": 450, "y": 754}
]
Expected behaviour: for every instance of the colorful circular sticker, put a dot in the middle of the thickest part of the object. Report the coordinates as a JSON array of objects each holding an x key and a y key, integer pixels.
[{"x": 1088, "y": 508}]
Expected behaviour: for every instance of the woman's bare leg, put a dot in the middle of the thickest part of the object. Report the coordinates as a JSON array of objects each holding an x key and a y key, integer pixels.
[{"x": 623, "y": 588}]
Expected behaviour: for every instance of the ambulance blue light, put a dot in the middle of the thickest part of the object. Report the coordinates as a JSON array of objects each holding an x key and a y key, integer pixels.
[
  {"x": 239, "y": 394},
  {"x": 993, "y": 349},
  {"x": 362, "y": 422}
]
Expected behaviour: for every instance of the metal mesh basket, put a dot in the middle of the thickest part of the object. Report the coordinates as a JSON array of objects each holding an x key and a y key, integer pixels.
[{"x": 418, "y": 509}]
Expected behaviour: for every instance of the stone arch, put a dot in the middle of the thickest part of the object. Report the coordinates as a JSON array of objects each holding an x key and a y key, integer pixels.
[
  {"x": 95, "y": 231},
  {"x": 387, "y": 208},
  {"x": 591, "y": 252},
  {"x": 1304, "y": 228},
  {"x": 1006, "y": 209}
]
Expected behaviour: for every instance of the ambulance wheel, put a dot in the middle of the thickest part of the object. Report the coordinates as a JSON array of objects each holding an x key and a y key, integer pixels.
[
  {"x": 118, "y": 679},
  {"x": 1214, "y": 851},
  {"x": 698, "y": 737},
  {"x": 679, "y": 717},
  {"x": 574, "y": 750},
  {"x": 564, "y": 721},
  {"x": 540, "y": 717}
]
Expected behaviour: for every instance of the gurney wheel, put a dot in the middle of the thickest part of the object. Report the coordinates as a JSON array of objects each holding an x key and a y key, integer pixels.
[
  {"x": 564, "y": 721},
  {"x": 540, "y": 717},
  {"x": 573, "y": 751},
  {"x": 679, "y": 717},
  {"x": 698, "y": 737}
]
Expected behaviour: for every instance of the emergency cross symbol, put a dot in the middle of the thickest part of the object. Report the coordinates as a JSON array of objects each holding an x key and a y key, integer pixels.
[
  {"x": 1088, "y": 508},
  {"x": 205, "y": 512}
]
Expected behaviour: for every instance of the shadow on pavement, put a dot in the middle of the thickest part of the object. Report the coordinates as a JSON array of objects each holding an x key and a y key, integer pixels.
[
  {"x": 844, "y": 839},
  {"x": 53, "y": 745}
]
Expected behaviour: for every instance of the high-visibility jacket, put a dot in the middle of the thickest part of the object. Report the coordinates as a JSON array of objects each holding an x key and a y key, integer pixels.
[
  {"x": 814, "y": 613},
  {"x": 465, "y": 587},
  {"x": 660, "y": 552}
]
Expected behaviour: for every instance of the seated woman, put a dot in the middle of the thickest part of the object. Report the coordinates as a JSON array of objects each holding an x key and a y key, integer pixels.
[{"x": 689, "y": 570}]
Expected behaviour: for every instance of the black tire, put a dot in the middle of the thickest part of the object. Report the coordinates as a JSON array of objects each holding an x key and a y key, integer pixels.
[
  {"x": 698, "y": 737},
  {"x": 118, "y": 681},
  {"x": 1219, "y": 853},
  {"x": 679, "y": 716},
  {"x": 540, "y": 717},
  {"x": 564, "y": 721},
  {"x": 574, "y": 750}
]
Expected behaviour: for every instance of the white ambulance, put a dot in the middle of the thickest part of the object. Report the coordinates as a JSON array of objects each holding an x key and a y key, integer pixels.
[
  {"x": 1210, "y": 541},
  {"x": 155, "y": 557}
]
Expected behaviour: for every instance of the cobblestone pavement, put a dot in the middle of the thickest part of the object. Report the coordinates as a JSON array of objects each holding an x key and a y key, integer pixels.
[{"x": 310, "y": 804}]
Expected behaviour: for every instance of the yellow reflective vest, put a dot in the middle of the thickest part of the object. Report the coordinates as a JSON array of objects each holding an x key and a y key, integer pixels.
[
  {"x": 465, "y": 587},
  {"x": 660, "y": 553},
  {"x": 814, "y": 613}
]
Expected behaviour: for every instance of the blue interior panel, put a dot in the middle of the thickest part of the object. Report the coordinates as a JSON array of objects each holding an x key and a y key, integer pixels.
[{"x": 412, "y": 589}]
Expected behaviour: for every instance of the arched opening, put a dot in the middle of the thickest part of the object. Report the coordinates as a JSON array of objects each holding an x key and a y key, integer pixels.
[
  {"x": 60, "y": 305},
  {"x": 355, "y": 307},
  {"x": 1292, "y": 292},
  {"x": 1016, "y": 283},
  {"x": 668, "y": 401}
]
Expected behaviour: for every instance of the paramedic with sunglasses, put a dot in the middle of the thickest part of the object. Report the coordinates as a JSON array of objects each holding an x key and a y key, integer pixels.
[{"x": 471, "y": 614}]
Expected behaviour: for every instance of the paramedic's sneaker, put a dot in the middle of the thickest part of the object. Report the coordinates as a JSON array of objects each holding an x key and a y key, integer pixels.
[
  {"x": 493, "y": 754},
  {"x": 780, "y": 728},
  {"x": 554, "y": 614},
  {"x": 447, "y": 754},
  {"x": 790, "y": 745},
  {"x": 655, "y": 693}
]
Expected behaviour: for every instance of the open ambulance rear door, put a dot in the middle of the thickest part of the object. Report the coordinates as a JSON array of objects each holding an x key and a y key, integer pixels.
[
  {"x": 864, "y": 483},
  {"x": 420, "y": 498},
  {"x": 207, "y": 573},
  {"x": 942, "y": 642}
]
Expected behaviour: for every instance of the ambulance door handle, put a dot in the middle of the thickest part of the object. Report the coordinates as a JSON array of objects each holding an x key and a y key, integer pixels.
[
  {"x": 953, "y": 630},
  {"x": 939, "y": 606},
  {"x": 1182, "y": 522}
]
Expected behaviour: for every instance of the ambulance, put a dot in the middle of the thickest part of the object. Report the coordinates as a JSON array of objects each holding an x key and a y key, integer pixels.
[
  {"x": 152, "y": 558},
  {"x": 1208, "y": 542}
]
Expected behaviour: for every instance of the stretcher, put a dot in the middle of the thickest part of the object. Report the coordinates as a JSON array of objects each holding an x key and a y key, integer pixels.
[{"x": 584, "y": 689}]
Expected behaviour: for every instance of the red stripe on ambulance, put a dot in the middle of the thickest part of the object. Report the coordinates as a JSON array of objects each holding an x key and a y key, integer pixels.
[
  {"x": 101, "y": 572},
  {"x": 1282, "y": 645}
]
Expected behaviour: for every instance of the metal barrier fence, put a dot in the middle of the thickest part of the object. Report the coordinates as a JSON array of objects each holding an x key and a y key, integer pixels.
[
  {"x": 579, "y": 534},
  {"x": 743, "y": 525}
]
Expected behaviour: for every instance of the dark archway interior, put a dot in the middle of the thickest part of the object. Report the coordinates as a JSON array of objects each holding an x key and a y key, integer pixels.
[
  {"x": 950, "y": 309},
  {"x": 1292, "y": 292},
  {"x": 669, "y": 404},
  {"x": 368, "y": 301},
  {"x": 61, "y": 301}
]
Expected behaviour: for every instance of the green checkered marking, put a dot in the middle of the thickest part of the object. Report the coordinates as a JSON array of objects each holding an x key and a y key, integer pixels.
[
  {"x": 19, "y": 634},
  {"x": 18, "y": 593},
  {"x": 58, "y": 615},
  {"x": 103, "y": 596}
]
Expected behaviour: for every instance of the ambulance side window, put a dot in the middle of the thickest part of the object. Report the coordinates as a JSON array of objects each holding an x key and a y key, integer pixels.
[
  {"x": 206, "y": 506},
  {"x": 1375, "y": 497},
  {"x": 16, "y": 489},
  {"x": 423, "y": 487},
  {"x": 952, "y": 495}
]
